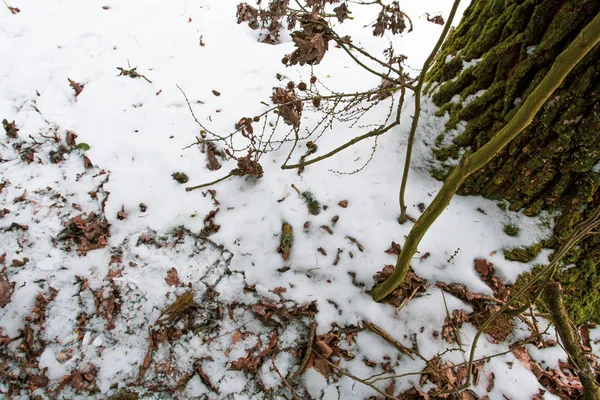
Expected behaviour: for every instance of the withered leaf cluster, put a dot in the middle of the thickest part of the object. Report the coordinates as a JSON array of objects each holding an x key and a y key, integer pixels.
[
  {"x": 561, "y": 381},
  {"x": 326, "y": 347},
  {"x": 412, "y": 284},
  {"x": 501, "y": 327},
  {"x": 273, "y": 314},
  {"x": 267, "y": 18},
  {"x": 312, "y": 42},
  {"x": 319, "y": 5},
  {"x": 446, "y": 376},
  {"x": 86, "y": 233},
  {"x": 10, "y": 128},
  {"x": 253, "y": 361},
  {"x": 246, "y": 166},
  {"x": 289, "y": 106},
  {"x": 390, "y": 18},
  {"x": 342, "y": 12}
]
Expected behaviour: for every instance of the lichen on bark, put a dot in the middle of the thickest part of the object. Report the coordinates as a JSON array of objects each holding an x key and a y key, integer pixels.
[{"x": 505, "y": 48}]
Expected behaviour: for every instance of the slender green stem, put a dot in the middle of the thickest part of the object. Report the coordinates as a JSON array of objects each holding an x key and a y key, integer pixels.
[
  {"x": 374, "y": 132},
  {"x": 415, "y": 121},
  {"x": 564, "y": 63},
  {"x": 190, "y": 188}
]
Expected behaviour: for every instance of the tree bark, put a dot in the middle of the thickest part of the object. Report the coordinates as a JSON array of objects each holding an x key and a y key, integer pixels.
[{"x": 491, "y": 63}]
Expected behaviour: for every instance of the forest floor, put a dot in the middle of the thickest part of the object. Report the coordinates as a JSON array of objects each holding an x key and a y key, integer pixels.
[{"x": 117, "y": 283}]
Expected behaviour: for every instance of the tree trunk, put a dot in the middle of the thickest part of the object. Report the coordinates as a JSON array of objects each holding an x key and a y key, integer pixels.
[{"x": 498, "y": 54}]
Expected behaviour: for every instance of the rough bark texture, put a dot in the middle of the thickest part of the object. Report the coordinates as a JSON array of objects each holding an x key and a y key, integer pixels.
[{"x": 555, "y": 163}]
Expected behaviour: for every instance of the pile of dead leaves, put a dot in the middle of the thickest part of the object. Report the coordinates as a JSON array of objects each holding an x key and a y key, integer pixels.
[
  {"x": 483, "y": 306},
  {"x": 247, "y": 166},
  {"x": 86, "y": 232},
  {"x": 410, "y": 287},
  {"x": 19, "y": 368},
  {"x": 447, "y": 377},
  {"x": 327, "y": 352},
  {"x": 561, "y": 381},
  {"x": 182, "y": 316}
]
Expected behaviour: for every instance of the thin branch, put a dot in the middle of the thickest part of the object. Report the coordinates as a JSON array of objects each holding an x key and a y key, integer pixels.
[
  {"x": 311, "y": 340},
  {"x": 190, "y": 188},
  {"x": 374, "y": 132},
  {"x": 384, "y": 335},
  {"x": 415, "y": 121},
  {"x": 286, "y": 383}
]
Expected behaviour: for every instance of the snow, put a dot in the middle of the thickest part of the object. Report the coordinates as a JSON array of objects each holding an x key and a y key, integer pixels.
[{"x": 140, "y": 133}]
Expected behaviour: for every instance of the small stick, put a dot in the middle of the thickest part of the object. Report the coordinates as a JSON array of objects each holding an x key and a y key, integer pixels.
[
  {"x": 283, "y": 379},
  {"x": 376, "y": 329},
  {"x": 190, "y": 188},
  {"x": 311, "y": 340},
  {"x": 408, "y": 299}
]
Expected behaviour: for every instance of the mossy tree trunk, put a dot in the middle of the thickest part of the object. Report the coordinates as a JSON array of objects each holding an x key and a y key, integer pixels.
[{"x": 498, "y": 54}]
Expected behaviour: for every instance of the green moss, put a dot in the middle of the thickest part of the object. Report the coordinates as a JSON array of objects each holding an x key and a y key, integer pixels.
[
  {"x": 548, "y": 166},
  {"x": 438, "y": 173},
  {"x": 180, "y": 177},
  {"x": 287, "y": 238},
  {"x": 313, "y": 205},
  {"x": 523, "y": 254},
  {"x": 511, "y": 230},
  {"x": 124, "y": 395}
]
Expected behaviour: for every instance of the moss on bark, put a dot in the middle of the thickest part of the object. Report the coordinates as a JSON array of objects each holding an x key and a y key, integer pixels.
[{"x": 507, "y": 47}]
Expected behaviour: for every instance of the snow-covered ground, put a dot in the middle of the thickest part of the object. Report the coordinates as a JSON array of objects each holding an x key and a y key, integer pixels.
[{"x": 120, "y": 279}]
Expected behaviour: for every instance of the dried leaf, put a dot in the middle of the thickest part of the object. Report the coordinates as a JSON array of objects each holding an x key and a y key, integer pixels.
[
  {"x": 395, "y": 249},
  {"x": 172, "y": 278},
  {"x": 6, "y": 289},
  {"x": 78, "y": 88},
  {"x": 10, "y": 129},
  {"x": 484, "y": 267},
  {"x": 342, "y": 12},
  {"x": 436, "y": 19},
  {"x": 278, "y": 290}
]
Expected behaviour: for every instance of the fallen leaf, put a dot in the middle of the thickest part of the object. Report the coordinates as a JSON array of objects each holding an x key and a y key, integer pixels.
[
  {"x": 78, "y": 88},
  {"x": 395, "y": 249},
  {"x": 6, "y": 289},
  {"x": 484, "y": 267},
  {"x": 172, "y": 278},
  {"x": 10, "y": 128}
]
